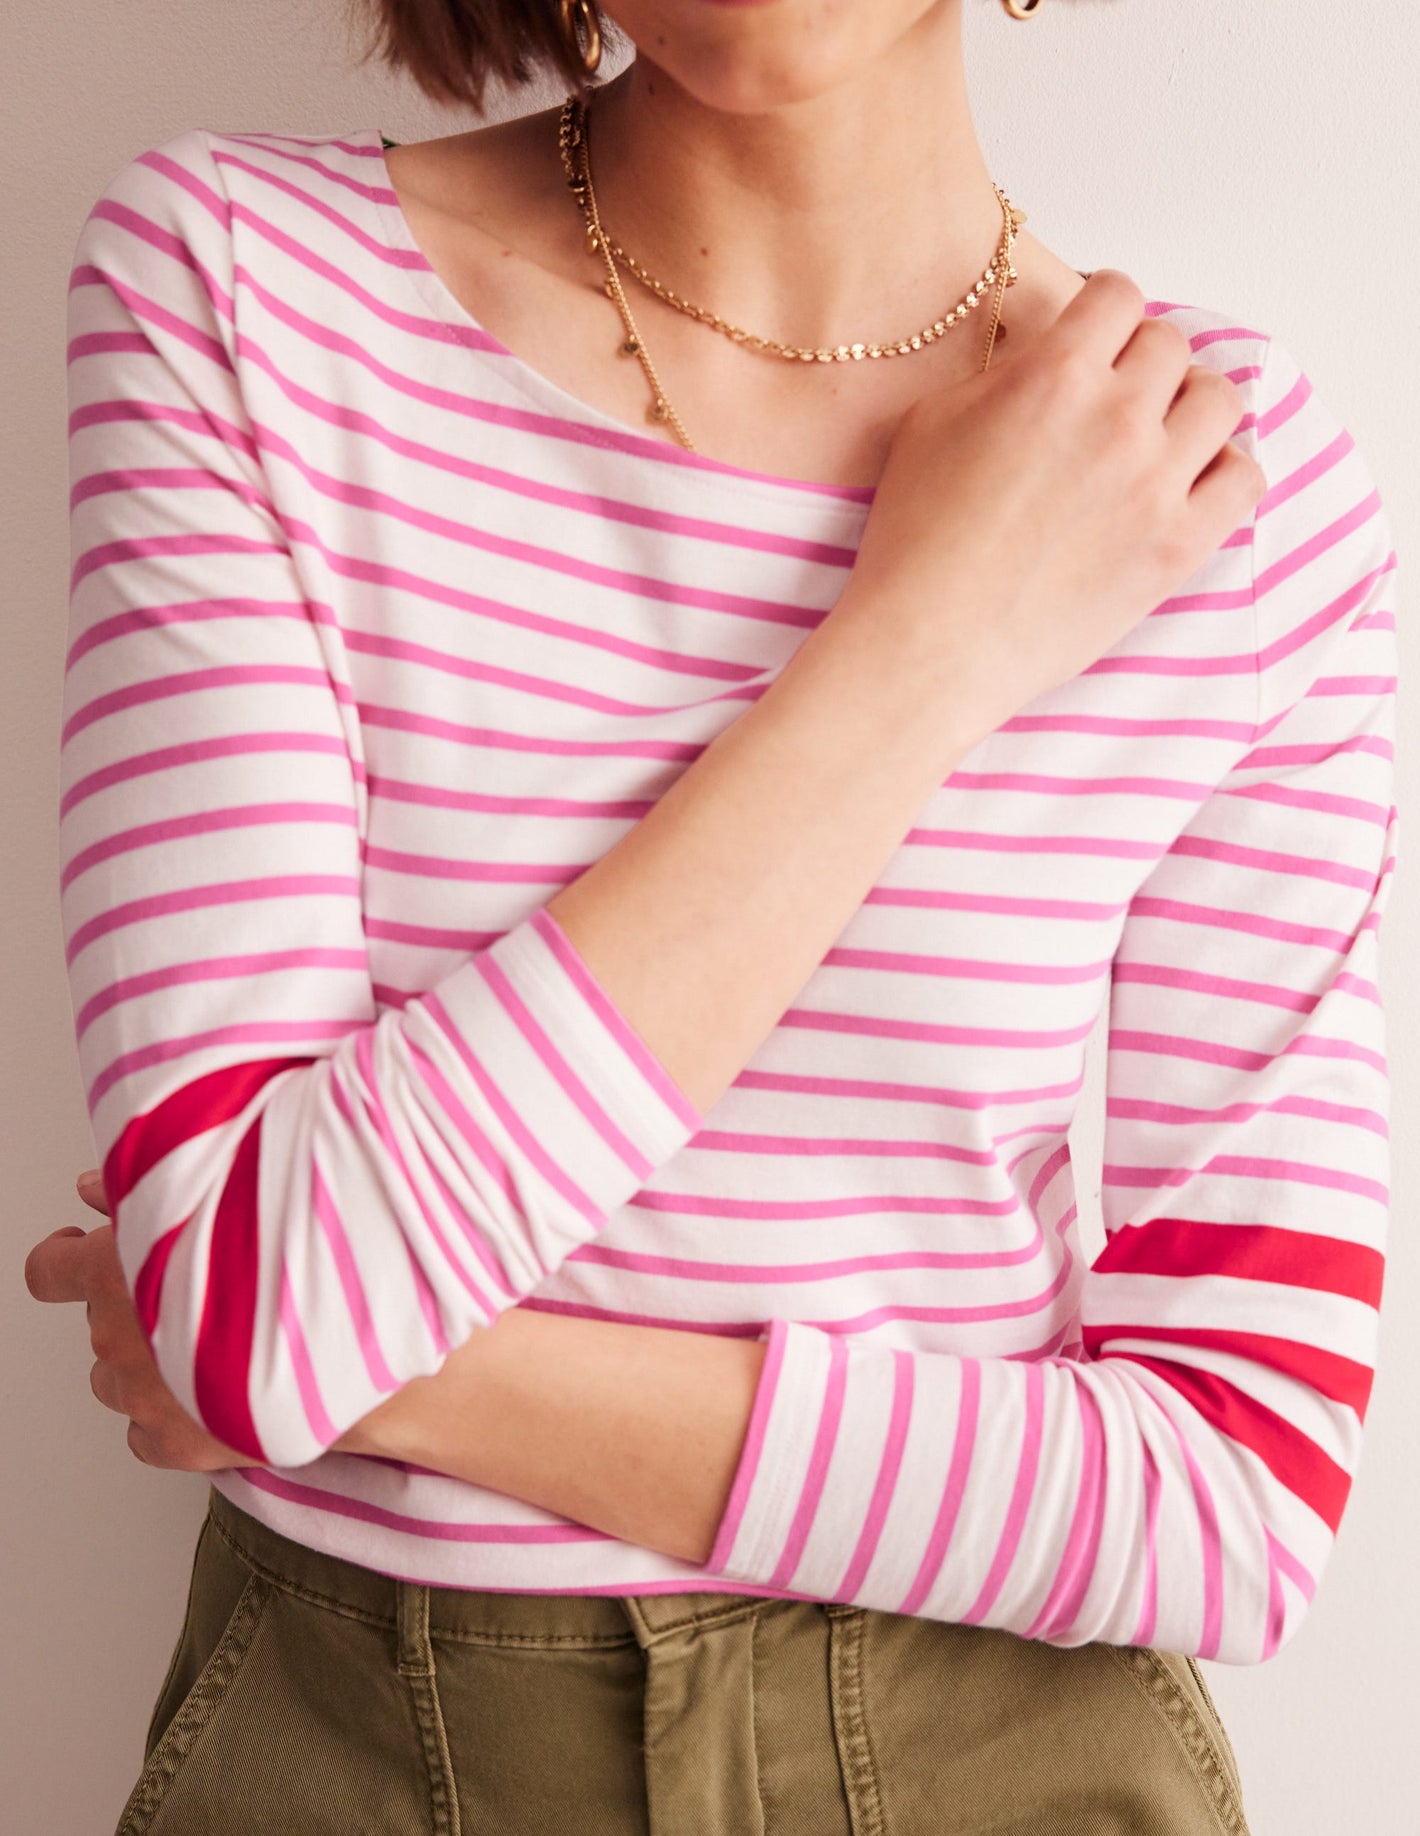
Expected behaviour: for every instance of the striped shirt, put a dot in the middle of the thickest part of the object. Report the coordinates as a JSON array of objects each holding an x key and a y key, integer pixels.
[{"x": 378, "y": 638}]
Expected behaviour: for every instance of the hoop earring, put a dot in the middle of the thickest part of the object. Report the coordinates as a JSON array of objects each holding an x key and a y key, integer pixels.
[
  {"x": 576, "y": 14},
  {"x": 1020, "y": 11}
]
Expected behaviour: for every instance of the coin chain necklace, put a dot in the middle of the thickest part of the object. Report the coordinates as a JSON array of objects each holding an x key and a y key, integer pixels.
[{"x": 575, "y": 148}]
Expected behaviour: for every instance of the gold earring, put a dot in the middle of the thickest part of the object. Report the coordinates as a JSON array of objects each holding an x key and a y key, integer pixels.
[
  {"x": 575, "y": 15},
  {"x": 1019, "y": 11}
]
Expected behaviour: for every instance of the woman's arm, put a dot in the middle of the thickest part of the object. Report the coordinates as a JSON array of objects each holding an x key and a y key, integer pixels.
[
  {"x": 315, "y": 1198},
  {"x": 1181, "y": 1480},
  {"x": 633, "y": 1430}
]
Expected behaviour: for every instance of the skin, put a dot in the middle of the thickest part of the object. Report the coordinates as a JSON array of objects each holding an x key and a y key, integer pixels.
[{"x": 775, "y": 161}]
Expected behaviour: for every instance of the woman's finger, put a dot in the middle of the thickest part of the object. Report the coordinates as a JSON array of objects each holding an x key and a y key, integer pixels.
[
  {"x": 105, "y": 1383},
  {"x": 90, "y": 1187},
  {"x": 55, "y": 1267}
]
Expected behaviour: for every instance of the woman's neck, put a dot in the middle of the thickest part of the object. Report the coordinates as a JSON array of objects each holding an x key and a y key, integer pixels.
[{"x": 792, "y": 219}]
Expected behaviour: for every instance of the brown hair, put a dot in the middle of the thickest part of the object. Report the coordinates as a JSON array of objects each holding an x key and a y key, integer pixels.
[{"x": 450, "y": 48}]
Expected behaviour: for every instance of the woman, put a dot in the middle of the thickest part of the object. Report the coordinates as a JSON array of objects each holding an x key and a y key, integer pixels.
[{"x": 583, "y": 930}]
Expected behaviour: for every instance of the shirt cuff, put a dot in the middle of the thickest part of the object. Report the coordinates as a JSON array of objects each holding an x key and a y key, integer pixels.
[
  {"x": 560, "y": 1067},
  {"x": 783, "y": 1461}
]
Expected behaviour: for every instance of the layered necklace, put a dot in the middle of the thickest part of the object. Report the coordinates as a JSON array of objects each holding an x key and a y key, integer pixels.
[{"x": 574, "y": 144}]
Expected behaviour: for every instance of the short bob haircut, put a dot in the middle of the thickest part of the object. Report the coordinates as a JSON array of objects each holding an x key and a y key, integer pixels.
[{"x": 450, "y": 48}]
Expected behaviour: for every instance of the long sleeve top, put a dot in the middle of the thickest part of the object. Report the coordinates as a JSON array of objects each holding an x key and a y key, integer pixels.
[{"x": 378, "y": 637}]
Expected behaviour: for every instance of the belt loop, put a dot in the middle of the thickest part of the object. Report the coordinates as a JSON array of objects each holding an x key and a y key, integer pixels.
[
  {"x": 698, "y": 1739},
  {"x": 416, "y": 1655}
]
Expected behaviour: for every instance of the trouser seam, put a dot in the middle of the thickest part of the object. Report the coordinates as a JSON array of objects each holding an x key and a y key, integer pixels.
[
  {"x": 415, "y": 1662},
  {"x": 845, "y": 1634}
]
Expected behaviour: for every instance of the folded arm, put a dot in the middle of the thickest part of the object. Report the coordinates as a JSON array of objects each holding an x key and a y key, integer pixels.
[{"x": 1182, "y": 1482}]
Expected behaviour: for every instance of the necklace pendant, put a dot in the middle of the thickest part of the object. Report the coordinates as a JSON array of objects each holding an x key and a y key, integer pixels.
[
  {"x": 658, "y": 410},
  {"x": 630, "y": 347}
]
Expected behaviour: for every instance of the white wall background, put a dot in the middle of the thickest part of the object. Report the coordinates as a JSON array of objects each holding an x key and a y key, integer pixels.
[{"x": 1251, "y": 157}]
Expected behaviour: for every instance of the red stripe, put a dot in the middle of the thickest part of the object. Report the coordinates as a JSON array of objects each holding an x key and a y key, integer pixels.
[
  {"x": 1344, "y": 1380},
  {"x": 196, "y": 1106},
  {"x": 1250, "y": 1252},
  {"x": 1291, "y": 1456},
  {"x": 222, "y": 1364},
  {"x": 148, "y": 1289}
]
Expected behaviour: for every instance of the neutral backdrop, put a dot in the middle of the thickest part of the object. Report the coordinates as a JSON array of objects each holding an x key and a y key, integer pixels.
[{"x": 1255, "y": 158}]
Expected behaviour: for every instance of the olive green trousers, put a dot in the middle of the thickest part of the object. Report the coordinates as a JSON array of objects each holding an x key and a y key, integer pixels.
[{"x": 308, "y": 1696}]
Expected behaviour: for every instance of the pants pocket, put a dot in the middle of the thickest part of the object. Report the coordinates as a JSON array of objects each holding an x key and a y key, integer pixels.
[
  {"x": 1218, "y": 1728},
  {"x": 973, "y": 1731},
  {"x": 224, "y": 1611},
  {"x": 168, "y": 1695},
  {"x": 1175, "y": 1684}
]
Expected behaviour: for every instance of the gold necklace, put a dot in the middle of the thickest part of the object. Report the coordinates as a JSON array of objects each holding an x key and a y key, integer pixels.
[{"x": 573, "y": 138}]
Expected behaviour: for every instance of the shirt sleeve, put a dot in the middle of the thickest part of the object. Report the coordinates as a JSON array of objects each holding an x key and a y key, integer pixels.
[
  {"x": 1180, "y": 1480},
  {"x": 313, "y": 1200}
]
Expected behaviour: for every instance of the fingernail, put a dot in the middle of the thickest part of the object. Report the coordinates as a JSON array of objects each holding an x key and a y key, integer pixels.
[{"x": 88, "y": 1181}]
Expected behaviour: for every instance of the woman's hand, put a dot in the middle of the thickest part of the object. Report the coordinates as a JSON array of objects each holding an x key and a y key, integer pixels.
[
  {"x": 72, "y": 1264},
  {"x": 1029, "y": 516}
]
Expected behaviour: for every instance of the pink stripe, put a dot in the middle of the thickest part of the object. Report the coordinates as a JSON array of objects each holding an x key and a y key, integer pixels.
[
  {"x": 1281, "y": 412},
  {"x": 775, "y": 1336},
  {"x": 435, "y": 1529},
  {"x": 873, "y": 1026},
  {"x": 855, "y": 1205},
  {"x": 685, "y": 1268},
  {"x": 953, "y": 1490},
  {"x": 1164, "y": 975},
  {"x": 172, "y": 478},
  {"x": 886, "y": 1482},
  {"x": 196, "y": 752},
  {"x": 190, "y": 682},
  {"x": 204, "y": 822},
  {"x": 286, "y": 1033},
  {"x": 143, "y": 308},
  {"x": 1321, "y": 543},
  {"x": 975, "y": 968},
  {"x": 1298, "y": 866},
  {"x": 1173, "y": 1045},
  {"x": 1033, "y": 1396},
  {"x": 1355, "y": 809},
  {"x": 481, "y": 1144},
  {"x": 528, "y": 1146},
  {"x": 214, "y": 969},
  {"x": 1146, "y": 905},
  {"x": 825, "y": 1437},
  {"x": 1307, "y": 473},
  {"x": 573, "y": 966},
  {"x": 322, "y": 1428},
  {"x": 983, "y": 841},
  {"x": 482, "y": 1248},
  {"x": 327, "y": 1215},
  {"x": 374, "y": 1113},
  {"x": 280, "y": 887},
  {"x": 1060, "y": 1611},
  {"x": 1282, "y": 1563},
  {"x": 1205, "y": 1512},
  {"x": 555, "y": 1062},
  {"x": 1143, "y": 1633}
]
